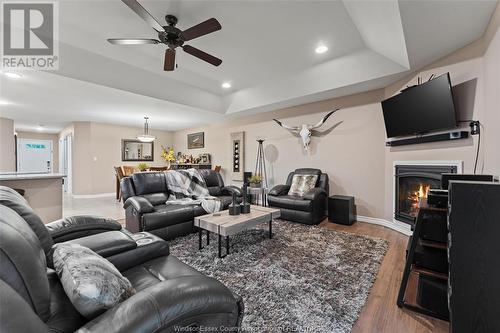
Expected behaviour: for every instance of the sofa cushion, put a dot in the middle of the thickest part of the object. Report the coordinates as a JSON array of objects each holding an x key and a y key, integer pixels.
[
  {"x": 211, "y": 178},
  {"x": 307, "y": 171},
  {"x": 157, "y": 270},
  {"x": 156, "y": 198},
  {"x": 214, "y": 190},
  {"x": 92, "y": 283},
  {"x": 166, "y": 215},
  {"x": 149, "y": 182},
  {"x": 106, "y": 243},
  {"x": 302, "y": 183},
  {"x": 290, "y": 202},
  {"x": 148, "y": 247}
]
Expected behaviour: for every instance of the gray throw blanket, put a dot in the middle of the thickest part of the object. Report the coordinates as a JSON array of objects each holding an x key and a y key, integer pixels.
[{"x": 188, "y": 187}]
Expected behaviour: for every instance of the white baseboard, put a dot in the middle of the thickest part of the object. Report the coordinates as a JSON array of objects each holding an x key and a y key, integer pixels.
[
  {"x": 403, "y": 228},
  {"x": 91, "y": 196}
]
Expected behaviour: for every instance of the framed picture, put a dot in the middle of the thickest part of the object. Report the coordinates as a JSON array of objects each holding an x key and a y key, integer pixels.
[
  {"x": 196, "y": 140},
  {"x": 134, "y": 150},
  {"x": 205, "y": 159},
  {"x": 238, "y": 153}
]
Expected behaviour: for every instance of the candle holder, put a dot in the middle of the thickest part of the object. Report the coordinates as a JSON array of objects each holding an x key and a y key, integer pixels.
[
  {"x": 234, "y": 207},
  {"x": 245, "y": 206}
]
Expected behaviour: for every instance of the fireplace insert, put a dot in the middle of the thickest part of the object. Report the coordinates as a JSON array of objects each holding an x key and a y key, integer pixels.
[{"x": 412, "y": 182}]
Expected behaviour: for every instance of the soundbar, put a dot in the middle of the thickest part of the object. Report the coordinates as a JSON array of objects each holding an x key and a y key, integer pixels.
[{"x": 430, "y": 138}]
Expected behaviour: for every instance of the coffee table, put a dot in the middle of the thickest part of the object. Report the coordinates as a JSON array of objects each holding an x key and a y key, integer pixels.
[{"x": 225, "y": 225}]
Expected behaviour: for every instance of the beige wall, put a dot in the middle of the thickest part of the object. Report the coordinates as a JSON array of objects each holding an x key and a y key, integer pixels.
[
  {"x": 97, "y": 149},
  {"x": 7, "y": 145},
  {"x": 45, "y": 136},
  {"x": 354, "y": 153},
  {"x": 492, "y": 105}
]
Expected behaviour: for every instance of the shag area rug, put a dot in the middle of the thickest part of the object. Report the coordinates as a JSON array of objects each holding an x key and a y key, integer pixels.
[{"x": 304, "y": 279}]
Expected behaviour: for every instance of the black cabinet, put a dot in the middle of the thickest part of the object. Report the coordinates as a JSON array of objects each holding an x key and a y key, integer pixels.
[{"x": 474, "y": 256}]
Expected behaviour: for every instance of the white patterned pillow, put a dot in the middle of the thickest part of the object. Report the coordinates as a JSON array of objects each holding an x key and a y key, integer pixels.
[
  {"x": 301, "y": 184},
  {"x": 92, "y": 283}
]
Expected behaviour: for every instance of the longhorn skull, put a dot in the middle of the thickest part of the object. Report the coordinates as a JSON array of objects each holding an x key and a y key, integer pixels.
[{"x": 305, "y": 130}]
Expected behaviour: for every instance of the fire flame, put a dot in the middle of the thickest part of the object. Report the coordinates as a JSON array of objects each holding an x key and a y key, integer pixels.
[
  {"x": 422, "y": 191},
  {"x": 415, "y": 197}
]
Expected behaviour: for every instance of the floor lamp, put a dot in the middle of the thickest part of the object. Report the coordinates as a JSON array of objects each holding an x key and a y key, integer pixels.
[{"x": 260, "y": 164}]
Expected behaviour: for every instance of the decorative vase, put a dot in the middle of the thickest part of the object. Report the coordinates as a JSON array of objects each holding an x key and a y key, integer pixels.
[
  {"x": 234, "y": 207},
  {"x": 255, "y": 185},
  {"x": 168, "y": 164},
  {"x": 245, "y": 206}
]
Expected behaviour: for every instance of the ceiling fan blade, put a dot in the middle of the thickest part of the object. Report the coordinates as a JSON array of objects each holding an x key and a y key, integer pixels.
[
  {"x": 144, "y": 14},
  {"x": 132, "y": 41},
  {"x": 202, "y": 55},
  {"x": 201, "y": 29},
  {"x": 169, "y": 63}
]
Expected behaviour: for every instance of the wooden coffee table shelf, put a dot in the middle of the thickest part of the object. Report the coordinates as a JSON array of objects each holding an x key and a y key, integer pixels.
[{"x": 225, "y": 225}]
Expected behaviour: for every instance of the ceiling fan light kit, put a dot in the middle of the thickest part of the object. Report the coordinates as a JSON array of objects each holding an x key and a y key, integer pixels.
[{"x": 171, "y": 36}]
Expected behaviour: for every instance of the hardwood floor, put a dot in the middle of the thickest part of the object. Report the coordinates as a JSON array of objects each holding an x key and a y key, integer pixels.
[{"x": 380, "y": 313}]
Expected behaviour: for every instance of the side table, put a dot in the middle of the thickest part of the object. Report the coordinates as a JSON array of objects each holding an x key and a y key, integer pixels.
[{"x": 260, "y": 194}]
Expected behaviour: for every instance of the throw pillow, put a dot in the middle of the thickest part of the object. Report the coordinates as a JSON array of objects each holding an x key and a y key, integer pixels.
[
  {"x": 92, "y": 283},
  {"x": 302, "y": 183}
]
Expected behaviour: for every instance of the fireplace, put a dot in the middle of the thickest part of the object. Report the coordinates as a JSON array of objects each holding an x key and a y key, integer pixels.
[{"x": 412, "y": 182}]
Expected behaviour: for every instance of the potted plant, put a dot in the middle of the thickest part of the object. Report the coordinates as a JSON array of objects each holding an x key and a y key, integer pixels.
[
  {"x": 255, "y": 181},
  {"x": 168, "y": 155},
  {"x": 142, "y": 166}
]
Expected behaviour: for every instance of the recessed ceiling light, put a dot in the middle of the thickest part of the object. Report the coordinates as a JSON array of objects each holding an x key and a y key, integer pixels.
[
  {"x": 226, "y": 85},
  {"x": 2, "y": 102},
  {"x": 13, "y": 75},
  {"x": 321, "y": 49}
]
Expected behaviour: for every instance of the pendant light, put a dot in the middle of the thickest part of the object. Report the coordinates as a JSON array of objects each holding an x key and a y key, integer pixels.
[{"x": 146, "y": 137}]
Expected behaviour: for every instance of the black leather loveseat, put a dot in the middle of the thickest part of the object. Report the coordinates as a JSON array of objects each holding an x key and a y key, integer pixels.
[
  {"x": 144, "y": 195},
  {"x": 170, "y": 295},
  {"x": 309, "y": 208}
]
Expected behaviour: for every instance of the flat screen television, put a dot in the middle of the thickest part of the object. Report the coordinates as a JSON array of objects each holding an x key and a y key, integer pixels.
[{"x": 421, "y": 109}]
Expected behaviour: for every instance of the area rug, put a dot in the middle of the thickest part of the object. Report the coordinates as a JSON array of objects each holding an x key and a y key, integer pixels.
[{"x": 304, "y": 279}]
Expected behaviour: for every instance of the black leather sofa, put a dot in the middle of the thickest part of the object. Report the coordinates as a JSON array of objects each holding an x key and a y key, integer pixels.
[
  {"x": 310, "y": 208},
  {"x": 170, "y": 295},
  {"x": 144, "y": 195}
]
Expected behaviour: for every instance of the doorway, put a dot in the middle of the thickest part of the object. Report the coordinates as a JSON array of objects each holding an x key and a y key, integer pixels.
[
  {"x": 65, "y": 165},
  {"x": 34, "y": 156}
]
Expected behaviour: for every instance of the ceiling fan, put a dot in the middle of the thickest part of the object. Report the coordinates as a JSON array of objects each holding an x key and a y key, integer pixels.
[{"x": 171, "y": 36}]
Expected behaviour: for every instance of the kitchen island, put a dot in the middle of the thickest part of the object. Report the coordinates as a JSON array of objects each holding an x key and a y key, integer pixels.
[{"x": 43, "y": 191}]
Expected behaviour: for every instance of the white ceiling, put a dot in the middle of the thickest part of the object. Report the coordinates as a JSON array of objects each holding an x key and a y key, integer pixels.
[{"x": 267, "y": 48}]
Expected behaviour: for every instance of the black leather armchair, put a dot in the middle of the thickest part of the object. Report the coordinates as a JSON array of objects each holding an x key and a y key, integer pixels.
[
  {"x": 170, "y": 294},
  {"x": 144, "y": 195},
  {"x": 310, "y": 208}
]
